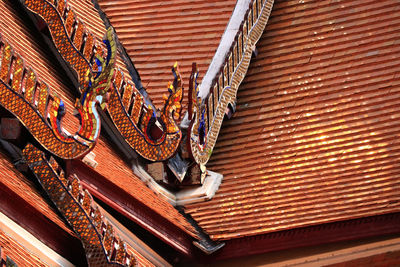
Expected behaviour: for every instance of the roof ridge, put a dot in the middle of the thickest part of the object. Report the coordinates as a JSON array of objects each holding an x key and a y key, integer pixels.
[{"x": 227, "y": 70}]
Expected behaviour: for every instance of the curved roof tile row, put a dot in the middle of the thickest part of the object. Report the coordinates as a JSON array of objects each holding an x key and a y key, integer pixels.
[{"x": 315, "y": 138}]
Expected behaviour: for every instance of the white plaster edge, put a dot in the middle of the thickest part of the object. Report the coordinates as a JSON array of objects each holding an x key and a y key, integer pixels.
[
  {"x": 31, "y": 243},
  {"x": 185, "y": 196},
  {"x": 153, "y": 185},
  {"x": 205, "y": 192},
  {"x": 137, "y": 244},
  {"x": 223, "y": 49}
]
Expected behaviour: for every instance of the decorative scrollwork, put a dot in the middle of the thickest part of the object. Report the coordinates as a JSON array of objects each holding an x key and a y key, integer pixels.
[
  {"x": 207, "y": 114},
  {"x": 41, "y": 111},
  {"x": 103, "y": 246},
  {"x": 136, "y": 121},
  {"x": 142, "y": 139}
]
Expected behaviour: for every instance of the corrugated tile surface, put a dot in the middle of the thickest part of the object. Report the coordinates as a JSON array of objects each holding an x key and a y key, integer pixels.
[
  {"x": 315, "y": 138},
  {"x": 155, "y": 34},
  {"x": 18, "y": 253}
]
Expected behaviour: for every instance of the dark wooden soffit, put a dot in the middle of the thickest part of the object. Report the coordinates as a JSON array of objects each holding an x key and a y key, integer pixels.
[
  {"x": 310, "y": 236},
  {"x": 119, "y": 200}
]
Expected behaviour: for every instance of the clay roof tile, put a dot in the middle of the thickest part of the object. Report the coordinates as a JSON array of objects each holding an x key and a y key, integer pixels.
[{"x": 315, "y": 135}]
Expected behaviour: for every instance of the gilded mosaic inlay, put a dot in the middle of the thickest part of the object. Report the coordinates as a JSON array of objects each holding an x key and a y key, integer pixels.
[
  {"x": 41, "y": 112},
  {"x": 102, "y": 244},
  {"x": 135, "y": 119}
]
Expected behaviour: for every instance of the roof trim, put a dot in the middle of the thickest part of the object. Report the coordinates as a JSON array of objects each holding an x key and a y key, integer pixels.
[
  {"x": 311, "y": 236},
  {"x": 134, "y": 210},
  {"x": 216, "y": 99},
  {"x": 234, "y": 25},
  {"x": 31, "y": 243},
  {"x": 40, "y": 226},
  {"x": 77, "y": 206},
  {"x": 242, "y": 13}
]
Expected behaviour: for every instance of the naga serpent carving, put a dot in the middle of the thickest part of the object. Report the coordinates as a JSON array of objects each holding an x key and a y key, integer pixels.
[
  {"x": 128, "y": 124},
  {"x": 102, "y": 244},
  {"x": 41, "y": 112},
  {"x": 207, "y": 114},
  {"x": 126, "y": 106}
]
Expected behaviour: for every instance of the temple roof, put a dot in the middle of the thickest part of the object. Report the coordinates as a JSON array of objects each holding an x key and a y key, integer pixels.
[
  {"x": 155, "y": 34},
  {"x": 33, "y": 51},
  {"x": 315, "y": 135},
  {"x": 314, "y": 138}
]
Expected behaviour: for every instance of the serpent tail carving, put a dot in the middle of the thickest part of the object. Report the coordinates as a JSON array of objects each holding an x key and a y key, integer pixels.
[
  {"x": 136, "y": 121},
  {"x": 41, "y": 111}
]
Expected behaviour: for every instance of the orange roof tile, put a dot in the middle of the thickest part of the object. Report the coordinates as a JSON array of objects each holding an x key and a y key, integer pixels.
[
  {"x": 155, "y": 34},
  {"x": 122, "y": 176},
  {"x": 19, "y": 184},
  {"x": 20, "y": 37},
  {"x": 18, "y": 253},
  {"x": 315, "y": 135}
]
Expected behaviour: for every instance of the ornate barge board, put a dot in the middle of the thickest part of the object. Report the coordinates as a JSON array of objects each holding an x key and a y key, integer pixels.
[
  {"x": 206, "y": 114},
  {"x": 126, "y": 106}
]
